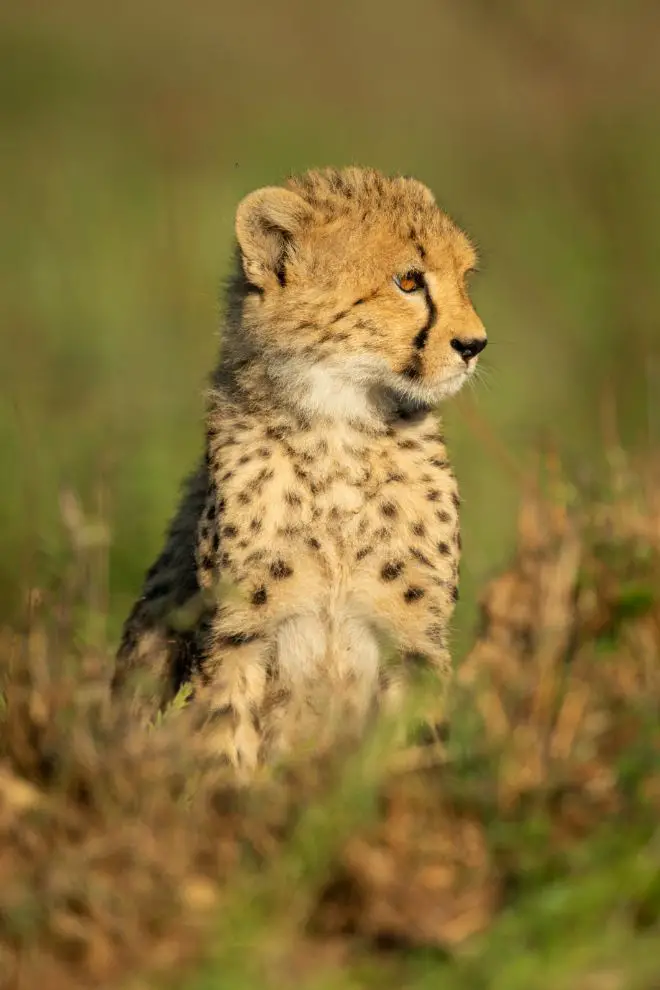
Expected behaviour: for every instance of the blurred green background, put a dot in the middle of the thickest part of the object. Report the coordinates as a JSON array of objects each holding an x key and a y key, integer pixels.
[{"x": 129, "y": 132}]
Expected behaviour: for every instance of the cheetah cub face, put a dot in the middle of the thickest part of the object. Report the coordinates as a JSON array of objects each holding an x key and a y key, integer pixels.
[{"x": 357, "y": 292}]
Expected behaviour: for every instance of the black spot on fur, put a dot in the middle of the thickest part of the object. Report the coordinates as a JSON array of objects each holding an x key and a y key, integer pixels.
[
  {"x": 277, "y": 432},
  {"x": 455, "y": 499},
  {"x": 216, "y": 541},
  {"x": 413, "y": 369},
  {"x": 363, "y": 552},
  {"x": 293, "y": 498},
  {"x": 207, "y": 562},
  {"x": 433, "y": 495},
  {"x": 238, "y": 639},
  {"x": 229, "y": 531},
  {"x": 225, "y": 713},
  {"x": 444, "y": 548},
  {"x": 454, "y": 593},
  {"x": 418, "y": 528},
  {"x": 339, "y": 316},
  {"x": 279, "y": 569},
  {"x": 439, "y": 462},
  {"x": 418, "y": 555},
  {"x": 244, "y": 498},
  {"x": 389, "y": 510},
  {"x": 255, "y": 525},
  {"x": 260, "y": 596},
  {"x": 394, "y": 476},
  {"x": 392, "y": 570},
  {"x": 264, "y": 475},
  {"x": 280, "y": 273},
  {"x": 407, "y": 445},
  {"x": 413, "y": 594},
  {"x": 443, "y": 516},
  {"x": 313, "y": 543}
]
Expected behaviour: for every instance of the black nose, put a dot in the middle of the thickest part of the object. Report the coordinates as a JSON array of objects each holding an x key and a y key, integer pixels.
[{"x": 469, "y": 348}]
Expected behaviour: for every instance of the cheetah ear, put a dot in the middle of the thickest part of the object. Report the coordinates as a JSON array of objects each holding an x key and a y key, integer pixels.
[
  {"x": 267, "y": 221},
  {"x": 422, "y": 191}
]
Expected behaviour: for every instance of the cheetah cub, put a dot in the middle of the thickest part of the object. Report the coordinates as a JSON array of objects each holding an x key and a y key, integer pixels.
[{"x": 325, "y": 512}]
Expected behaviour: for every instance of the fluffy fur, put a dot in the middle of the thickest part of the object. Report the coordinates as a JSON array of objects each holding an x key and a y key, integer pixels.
[{"x": 325, "y": 499}]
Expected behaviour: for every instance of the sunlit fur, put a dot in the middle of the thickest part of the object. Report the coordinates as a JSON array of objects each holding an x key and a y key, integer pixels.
[
  {"x": 338, "y": 331},
  {"x": 325, "y": 512}
]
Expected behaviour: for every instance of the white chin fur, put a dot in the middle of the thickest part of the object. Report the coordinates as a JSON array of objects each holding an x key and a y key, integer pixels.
[
  {"x": 430, "y": 395},
  {"x": 343, "y": 389}
]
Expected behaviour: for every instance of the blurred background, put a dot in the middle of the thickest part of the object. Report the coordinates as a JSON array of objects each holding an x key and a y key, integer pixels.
[{"x": 130, "y": 131}]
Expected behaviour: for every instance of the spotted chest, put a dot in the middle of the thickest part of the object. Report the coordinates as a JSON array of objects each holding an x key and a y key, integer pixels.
[
  {"x": 328, "y": 538},
  {"x": 342, "y": 504}
]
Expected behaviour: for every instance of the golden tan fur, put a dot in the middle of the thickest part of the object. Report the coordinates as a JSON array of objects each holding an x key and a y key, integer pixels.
[{"x": 325, "y": 499}]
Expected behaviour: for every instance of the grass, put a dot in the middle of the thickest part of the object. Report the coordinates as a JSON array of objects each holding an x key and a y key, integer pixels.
[{"x": 524, "y": 855}]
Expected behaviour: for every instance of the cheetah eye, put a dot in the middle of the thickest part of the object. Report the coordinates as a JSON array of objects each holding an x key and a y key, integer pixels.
[{"x": 411, "y": 281}]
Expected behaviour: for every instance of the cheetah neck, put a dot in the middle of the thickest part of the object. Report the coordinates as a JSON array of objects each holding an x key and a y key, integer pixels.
[
  {"x": 330, "y": 393},
  {"x": 339, "y": 393}
]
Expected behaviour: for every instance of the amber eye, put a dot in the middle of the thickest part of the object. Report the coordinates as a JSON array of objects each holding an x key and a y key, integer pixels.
[{"x": 410, "y": 282}]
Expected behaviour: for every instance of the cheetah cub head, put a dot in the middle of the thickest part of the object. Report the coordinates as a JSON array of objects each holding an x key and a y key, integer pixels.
[{"x": 354, "y": 292}]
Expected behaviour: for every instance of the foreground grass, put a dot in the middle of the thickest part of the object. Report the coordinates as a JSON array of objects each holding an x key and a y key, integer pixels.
[{"x": 525, "y": 855}]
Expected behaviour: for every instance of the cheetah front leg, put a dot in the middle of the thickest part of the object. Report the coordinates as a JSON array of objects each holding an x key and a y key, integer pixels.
[
  {"x": 415, "y": 610},
  {"x": 229, "y": 691},
  {"x": 267, "y": 588}
]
